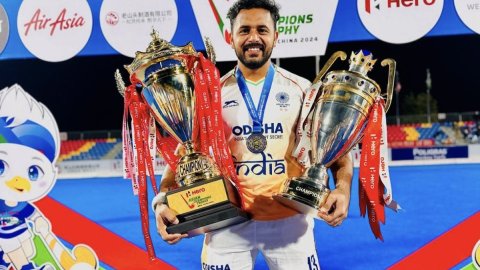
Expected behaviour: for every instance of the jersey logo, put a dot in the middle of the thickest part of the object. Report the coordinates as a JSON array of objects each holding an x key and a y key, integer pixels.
[
  {"x": 282, "y": 99},
  {"x": 230, "y": 103}
]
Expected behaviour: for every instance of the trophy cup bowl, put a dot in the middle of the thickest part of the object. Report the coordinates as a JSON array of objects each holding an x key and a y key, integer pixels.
[
  {"x": 204, "y": 200},
  {"x": 339, "y": 118}
]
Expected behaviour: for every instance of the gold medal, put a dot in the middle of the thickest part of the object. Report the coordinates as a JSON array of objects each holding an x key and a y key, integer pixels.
[{"x": 256, "y": 143}]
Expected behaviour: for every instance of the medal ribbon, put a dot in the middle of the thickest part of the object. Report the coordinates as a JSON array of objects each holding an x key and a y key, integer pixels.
[
  {"x": 256, "y": 114},
  {"x": 384, "y": 172},
  {"x": 370, "y": 188},
  {"x": 304, "y": 124},
  {"x": 139, "y": 120}
]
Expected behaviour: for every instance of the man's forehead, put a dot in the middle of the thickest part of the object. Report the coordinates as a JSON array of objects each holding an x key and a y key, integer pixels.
[{"x": 254, "y": 17}]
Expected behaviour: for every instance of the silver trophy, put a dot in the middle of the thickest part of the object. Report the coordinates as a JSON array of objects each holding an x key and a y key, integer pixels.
[{"x": 338, "y": 120}]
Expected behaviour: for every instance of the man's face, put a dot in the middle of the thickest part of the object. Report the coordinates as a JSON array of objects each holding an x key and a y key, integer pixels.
[{"x": 253, "y": 37}]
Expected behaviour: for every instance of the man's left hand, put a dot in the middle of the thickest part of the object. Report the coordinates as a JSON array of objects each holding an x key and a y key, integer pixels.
[{"x": 335, "y": 209}]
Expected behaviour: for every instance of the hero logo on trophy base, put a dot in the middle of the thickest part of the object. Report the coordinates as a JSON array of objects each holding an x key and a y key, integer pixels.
[
  {"x": 334, "y": 117},
  {"x": 167, "y": 79}
]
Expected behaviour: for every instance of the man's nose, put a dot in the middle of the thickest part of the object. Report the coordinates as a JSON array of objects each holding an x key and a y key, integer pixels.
[{"x": 254, "y": 36}]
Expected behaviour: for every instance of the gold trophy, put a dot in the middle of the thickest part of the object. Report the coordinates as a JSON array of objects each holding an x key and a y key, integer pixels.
[
  {"x": 338, "y": 120},
  {"x": 205, "y": 200}
]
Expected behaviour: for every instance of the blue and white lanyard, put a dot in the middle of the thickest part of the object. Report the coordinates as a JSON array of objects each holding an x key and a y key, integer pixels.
[{"x": 256, "y": 114}]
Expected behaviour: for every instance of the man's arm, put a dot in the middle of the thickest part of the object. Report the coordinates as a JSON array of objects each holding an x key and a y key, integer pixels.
[
  {"x": 335, "y": 209},
  {"x": 164, "y": 216}
]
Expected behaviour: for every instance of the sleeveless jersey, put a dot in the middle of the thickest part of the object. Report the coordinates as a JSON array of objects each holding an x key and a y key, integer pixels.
[{"x": 263, "y": 174}]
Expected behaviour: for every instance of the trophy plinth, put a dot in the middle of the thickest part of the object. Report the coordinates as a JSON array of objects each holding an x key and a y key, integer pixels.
[
  {"x": 204, "y": 199},
  {"x": 307, "y": 193},
  {"x": 338, "y": 120}
]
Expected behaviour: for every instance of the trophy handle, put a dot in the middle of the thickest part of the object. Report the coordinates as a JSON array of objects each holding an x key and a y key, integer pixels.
[
  {"x": 326, "y": 67},
  {"x": 120, "y": 83},
  {"x": 210, "y": 50},
  {"x": 391, "y": 77}
]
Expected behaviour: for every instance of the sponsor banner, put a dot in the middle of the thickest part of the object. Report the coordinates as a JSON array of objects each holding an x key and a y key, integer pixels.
[
  {"x": 469, "y": 13},
  {"x": 4, "y": 28},
  {"x": 346, "y": 27},
  {"x": 127, "y": 24},
  {"x": 98, "y": 168},
  {"x": 304, "y": 27},
  {"x": 54, "y": 30},
  {"x": 399, "y": 21},
  {"x": 430, "y": 153}
]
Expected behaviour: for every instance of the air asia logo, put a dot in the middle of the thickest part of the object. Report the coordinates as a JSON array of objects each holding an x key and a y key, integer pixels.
[
  {"x": 230, "y": 103},
  {"x": 376, "y": 4},
  {"x": 396, "y": 21},
  {"x": 469, "y": 12},
  {"x": 4, "y": 28},
  {"x": 65, "y": 24},
  {"x": 40, "y": 22},
  {"x": 127, "y": 24}
]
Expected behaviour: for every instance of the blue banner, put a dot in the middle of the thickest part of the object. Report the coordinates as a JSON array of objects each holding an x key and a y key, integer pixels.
[
  {"x": 347, "y": 26},
  {"x": 430, "y": 153}
]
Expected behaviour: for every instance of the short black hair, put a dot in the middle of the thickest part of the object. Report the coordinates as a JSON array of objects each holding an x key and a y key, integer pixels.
[{"x": 269, "y": 5}]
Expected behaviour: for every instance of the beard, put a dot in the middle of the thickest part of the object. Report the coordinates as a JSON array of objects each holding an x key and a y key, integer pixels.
[{"x": 253, "y": 63}]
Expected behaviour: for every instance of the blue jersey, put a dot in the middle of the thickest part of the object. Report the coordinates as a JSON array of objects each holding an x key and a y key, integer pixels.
[{"x": 13, "y": 219}]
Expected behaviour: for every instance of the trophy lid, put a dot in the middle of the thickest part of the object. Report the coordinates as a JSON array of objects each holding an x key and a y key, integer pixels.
[
  {"x": 361, "y": 62},
  {"x": 158, "y": 50}
]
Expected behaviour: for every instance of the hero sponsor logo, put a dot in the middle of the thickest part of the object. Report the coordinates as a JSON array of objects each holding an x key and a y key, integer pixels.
[
  {"x": 397, "y": 21},
  {"x": 469, "y": 13},
  {"x": 127, "y": 24},
  {"x": 371, "y": 5},
  {"x": 4, "y": 28},
  {"x": 54, "y": 31}
]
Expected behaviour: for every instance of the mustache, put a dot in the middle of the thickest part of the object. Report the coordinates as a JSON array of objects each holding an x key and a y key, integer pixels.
[{"x": 254, "y": 45}]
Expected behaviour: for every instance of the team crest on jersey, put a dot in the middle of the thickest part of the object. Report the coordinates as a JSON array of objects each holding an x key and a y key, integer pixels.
[
  {"x": 282, "y": 99},
  {"x": 230, "y": 103}
]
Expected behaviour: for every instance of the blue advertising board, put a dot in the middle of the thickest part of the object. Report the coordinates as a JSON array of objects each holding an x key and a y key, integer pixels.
[{"x": 430, "y": 153}]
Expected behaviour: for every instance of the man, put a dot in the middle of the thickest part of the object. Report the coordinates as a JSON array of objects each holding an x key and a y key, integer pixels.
[{"x": 262, "y": 103}]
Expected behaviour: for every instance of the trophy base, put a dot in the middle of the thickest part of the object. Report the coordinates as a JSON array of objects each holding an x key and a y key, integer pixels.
[
  {"x": 304, "y": 195},
  {"x": 208, "y": 220}
]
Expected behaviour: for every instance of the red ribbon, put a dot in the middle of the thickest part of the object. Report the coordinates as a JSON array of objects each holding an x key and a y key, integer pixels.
[
  {"x": 212, "y": 133},
  {"x": 370, "y": 188}
]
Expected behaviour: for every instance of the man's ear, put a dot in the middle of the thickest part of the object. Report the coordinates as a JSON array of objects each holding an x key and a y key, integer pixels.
[{"x": 275, "y": 39}]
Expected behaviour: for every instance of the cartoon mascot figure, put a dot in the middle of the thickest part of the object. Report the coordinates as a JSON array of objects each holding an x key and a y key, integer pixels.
[{"x": 29, "y": 147}]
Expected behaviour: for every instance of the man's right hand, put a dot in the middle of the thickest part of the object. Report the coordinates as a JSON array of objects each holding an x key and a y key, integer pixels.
[{"x": 165, "y": 216}]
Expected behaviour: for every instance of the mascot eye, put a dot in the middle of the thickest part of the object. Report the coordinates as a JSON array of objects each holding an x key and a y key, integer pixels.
[
  {"x": 35, "y": 172},
  {"x": 3, "y": 166}
]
